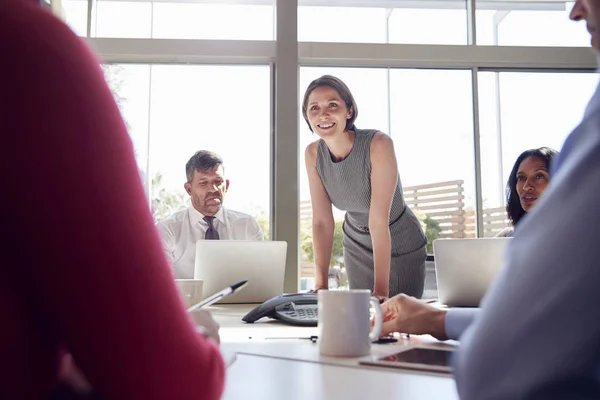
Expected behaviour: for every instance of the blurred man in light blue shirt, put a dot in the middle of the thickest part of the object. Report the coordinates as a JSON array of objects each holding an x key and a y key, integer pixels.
[{"x": 537, "y": 334}]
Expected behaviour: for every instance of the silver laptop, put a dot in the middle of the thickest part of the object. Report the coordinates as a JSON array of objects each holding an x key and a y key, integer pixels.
[
  {"x": 221, "y": 263},
  {"x": 465, "y": 268}
]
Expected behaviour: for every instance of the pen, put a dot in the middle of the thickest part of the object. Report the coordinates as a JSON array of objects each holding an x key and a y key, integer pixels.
[{"x": 219, "y": 295}]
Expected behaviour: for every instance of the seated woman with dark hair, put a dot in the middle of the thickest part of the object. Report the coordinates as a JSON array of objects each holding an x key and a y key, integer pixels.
[
  {"x": 528, "y": 180},
  {"x": 526, "y": 183}
]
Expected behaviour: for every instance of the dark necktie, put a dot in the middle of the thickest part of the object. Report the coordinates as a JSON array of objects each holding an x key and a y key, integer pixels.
[{"x": 211, "y": 232}]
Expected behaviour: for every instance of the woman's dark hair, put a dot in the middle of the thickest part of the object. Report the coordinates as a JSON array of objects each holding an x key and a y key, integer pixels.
[
  {"x": 513, "y": 203},
  {"x": 341, "y": 88}
]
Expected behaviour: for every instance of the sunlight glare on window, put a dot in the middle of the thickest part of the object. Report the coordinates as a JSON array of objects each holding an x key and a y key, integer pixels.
[
  {"x": 213, "y": 21},
  {"x": 529, "y": 24},
  {"x": 75, "y": 14},
  {"x": 426, "y": 25},
  {"x": 216, "y": 20}
]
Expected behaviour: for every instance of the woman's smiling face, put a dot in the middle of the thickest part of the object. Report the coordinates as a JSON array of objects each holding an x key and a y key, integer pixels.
[{"x": 326, "y": 111}]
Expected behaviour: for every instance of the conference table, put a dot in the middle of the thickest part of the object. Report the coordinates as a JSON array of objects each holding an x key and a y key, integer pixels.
[{"x": 270, "y": 360}]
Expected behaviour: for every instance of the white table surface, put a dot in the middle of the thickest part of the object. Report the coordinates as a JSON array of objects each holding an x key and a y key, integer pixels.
[
  {"x": 277, "y": 361},
  {"x": 265, "y": 378}
]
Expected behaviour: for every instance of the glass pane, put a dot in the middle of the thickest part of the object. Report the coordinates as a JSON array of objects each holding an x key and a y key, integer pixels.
[
  {"x": 75, "y": 15},
  {"x": 123, "y": 19},
  {"x": 341, "y": 24},
  {"x": 130, "y": 86},
  {"x": 429, "y": 24},
  {"x": 520, "y": 111},
  {"x": 529, "y": 24},
  {"x": 213, "y": 21},
  {"x": 184, "y": 20},
  {"x": 174, "y": 110},
  {"x": 416, "y": 22},
  {"x": 432, "y": 127},
  {"x": 369, "y": 87}
]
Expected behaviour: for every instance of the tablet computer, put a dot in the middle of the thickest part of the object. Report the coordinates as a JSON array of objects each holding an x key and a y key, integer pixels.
[{"x": 416, "y": 358}]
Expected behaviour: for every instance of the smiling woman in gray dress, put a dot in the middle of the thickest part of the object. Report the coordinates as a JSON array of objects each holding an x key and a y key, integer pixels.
[{"x": 356, "y": 170}]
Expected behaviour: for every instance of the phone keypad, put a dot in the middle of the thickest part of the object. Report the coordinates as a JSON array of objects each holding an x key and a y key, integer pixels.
[
  {"x": 306, "y": 312},
  {"x": 298, "y": 314}
]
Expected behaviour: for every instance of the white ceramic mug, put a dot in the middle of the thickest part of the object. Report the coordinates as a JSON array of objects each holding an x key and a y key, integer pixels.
[
  {"x": 344, "y": 322},
  {"x": 191, "y": 290}
]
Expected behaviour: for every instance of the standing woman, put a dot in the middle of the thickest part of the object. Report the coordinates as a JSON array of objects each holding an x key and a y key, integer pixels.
[{"x": 356, "y": 170}]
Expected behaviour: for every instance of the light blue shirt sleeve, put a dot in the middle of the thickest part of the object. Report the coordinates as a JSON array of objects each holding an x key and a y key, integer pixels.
[
  {"x": 457, "y": 320},
  {"x": 538, "y": 333}
]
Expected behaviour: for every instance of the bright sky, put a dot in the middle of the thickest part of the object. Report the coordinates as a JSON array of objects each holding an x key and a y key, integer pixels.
[{"x": 227, "y": 108}]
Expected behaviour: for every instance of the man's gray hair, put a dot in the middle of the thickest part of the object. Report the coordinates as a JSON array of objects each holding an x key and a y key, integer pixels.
[{"x": 202, "y": 161}]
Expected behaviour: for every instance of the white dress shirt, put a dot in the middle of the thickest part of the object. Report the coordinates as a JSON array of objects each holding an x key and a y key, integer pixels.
[{"x": 182, "y": 230}]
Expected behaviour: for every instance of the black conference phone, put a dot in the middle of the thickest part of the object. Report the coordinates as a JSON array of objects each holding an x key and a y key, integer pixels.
[{"x": 295, "y": 309}]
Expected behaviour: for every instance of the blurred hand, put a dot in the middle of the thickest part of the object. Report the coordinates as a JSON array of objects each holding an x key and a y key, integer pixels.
[
  {"x": 380, "y": 296},
  {"x": 319, "y": 287},
  {"x": 406, "y": 314},
  {"x": 204, "y": 319}
]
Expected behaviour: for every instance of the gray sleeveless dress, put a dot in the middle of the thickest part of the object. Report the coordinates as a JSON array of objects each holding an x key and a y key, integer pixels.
[{"x": 348, "y": 184}]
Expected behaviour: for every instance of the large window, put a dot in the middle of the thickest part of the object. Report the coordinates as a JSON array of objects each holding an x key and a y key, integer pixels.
[
  {"x": 174, "y": 110},
  {"x": 520, "y": 111},
  {"x": 411, "y": 64}
]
